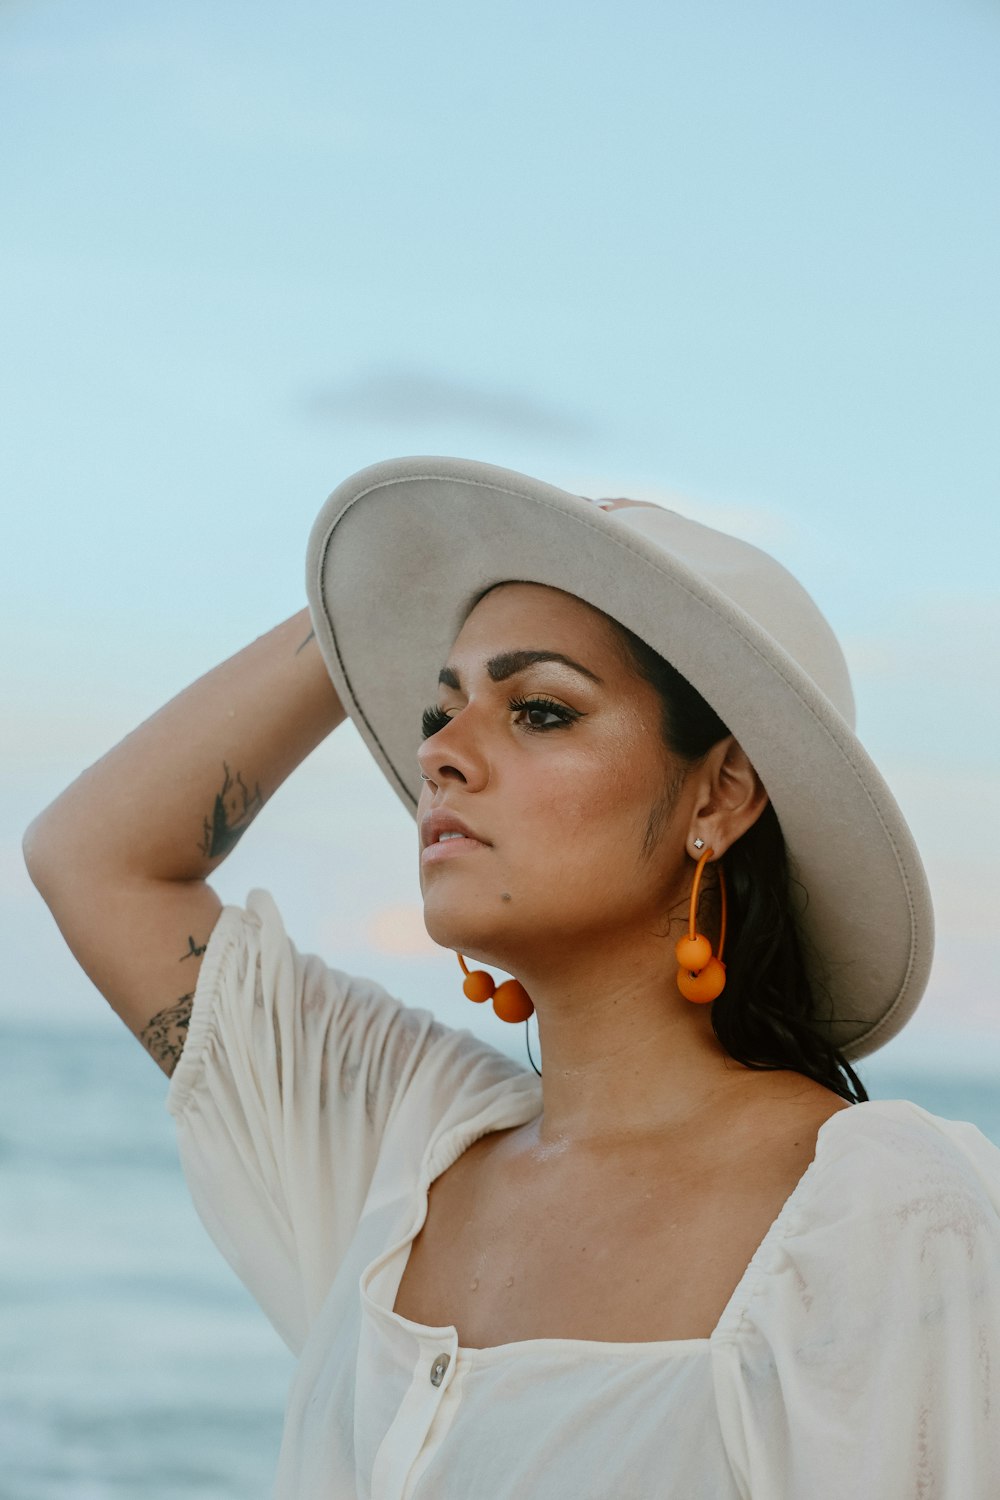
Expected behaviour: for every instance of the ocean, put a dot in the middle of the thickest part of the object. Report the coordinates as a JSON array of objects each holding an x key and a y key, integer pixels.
[{"x": 132, "y": 1361}]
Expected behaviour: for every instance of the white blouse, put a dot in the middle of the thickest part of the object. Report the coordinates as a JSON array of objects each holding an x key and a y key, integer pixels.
[{"x": 858, "y": 1357}]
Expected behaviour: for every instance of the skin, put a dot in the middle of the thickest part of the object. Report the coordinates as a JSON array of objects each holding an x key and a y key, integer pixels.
[
  {"x": 569, "y": 899},
  {"x": 630, "y": 1206}
]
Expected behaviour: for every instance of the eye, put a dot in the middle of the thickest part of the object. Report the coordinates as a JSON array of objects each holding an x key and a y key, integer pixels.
[
  {"x": 435, "y": 718},
  {"x": 565, "y": 716}
]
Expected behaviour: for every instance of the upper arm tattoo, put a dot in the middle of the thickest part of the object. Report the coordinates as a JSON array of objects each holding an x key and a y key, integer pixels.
[
  {"x": 235, "y": 809},
  {"x": 305, "y": 643},
  {"x": 166, "y": 1033}
]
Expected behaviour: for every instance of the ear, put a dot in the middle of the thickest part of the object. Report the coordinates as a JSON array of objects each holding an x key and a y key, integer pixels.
[{"x": 729, "y": 797}]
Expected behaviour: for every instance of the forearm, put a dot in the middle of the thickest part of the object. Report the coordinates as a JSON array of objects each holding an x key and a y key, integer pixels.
[{"x": 173, "y": 797}]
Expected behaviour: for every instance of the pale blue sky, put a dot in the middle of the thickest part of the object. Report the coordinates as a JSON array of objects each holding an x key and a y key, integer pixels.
[{"x": 742, "y": 258}]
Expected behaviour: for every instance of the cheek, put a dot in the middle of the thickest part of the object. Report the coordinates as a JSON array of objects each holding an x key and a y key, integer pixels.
[
  {"x": 601, "y": 827},
  {"x": 583, "y": 826}
]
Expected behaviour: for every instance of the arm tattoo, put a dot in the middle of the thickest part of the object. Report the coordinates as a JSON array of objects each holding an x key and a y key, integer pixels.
[
  {"x": 166, "y": 1033},
  {"x": 235, "y": 809},
  {"x": 305, "y": 643},
  {"x": 193, "y": 950}
]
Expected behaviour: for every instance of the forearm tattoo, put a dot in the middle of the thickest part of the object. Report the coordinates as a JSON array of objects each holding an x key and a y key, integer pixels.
[
  {"x": 166, "y": 1033},
  {"x": 235, "y": 809}
]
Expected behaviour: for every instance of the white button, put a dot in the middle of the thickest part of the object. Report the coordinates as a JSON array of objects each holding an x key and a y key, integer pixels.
[{"x": 438, "y": 1368}]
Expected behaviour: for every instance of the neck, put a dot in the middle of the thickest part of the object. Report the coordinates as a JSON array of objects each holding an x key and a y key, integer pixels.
[{"x": 624, "y": 1056}]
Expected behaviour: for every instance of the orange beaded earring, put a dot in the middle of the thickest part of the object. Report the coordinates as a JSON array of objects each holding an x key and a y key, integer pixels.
[
  {"x": 511, "y": 1000},
  {"x": 702, "y": 976}
]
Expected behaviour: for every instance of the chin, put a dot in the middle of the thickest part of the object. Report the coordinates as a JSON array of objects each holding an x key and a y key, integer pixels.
[
  {"x": 447, "y": 929},
  {"x": 455, "y": 930}
]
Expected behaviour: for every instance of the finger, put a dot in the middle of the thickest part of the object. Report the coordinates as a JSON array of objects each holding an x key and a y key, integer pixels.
[{"x": 621, "y": 502}]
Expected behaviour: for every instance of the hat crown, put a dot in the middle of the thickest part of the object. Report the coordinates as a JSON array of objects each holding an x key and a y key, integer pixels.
[
  {"x": 400, "y": 551},
  {"x": 759, "y": 585}
]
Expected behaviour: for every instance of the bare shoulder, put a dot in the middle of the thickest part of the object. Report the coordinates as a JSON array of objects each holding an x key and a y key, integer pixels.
[{"x": 783, "y": 1121}]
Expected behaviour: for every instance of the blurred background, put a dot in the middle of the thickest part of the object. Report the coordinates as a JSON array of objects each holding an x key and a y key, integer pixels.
[{"x": 740, "y": 260}]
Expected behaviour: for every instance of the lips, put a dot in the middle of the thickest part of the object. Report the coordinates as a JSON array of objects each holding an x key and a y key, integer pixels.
[{"x": 439, "y": 820}]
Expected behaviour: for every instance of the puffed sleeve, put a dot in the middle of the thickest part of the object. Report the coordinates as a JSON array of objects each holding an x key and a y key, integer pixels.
[
  {"x": 867, "y": 1361},
  {"x": 289, "y": 1076}
]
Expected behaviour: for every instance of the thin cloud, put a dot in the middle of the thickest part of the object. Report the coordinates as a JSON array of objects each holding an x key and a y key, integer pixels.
[{"x": 395, "y": 397}]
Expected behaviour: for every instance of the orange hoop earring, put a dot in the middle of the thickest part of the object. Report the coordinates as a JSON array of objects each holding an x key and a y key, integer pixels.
[
  {"x": 702, "y": 975},
  {"x": 511, "y": 1000}
]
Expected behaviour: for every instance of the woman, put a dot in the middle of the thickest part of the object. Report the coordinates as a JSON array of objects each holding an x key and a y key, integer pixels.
[{"x": 690, "y": 1258}]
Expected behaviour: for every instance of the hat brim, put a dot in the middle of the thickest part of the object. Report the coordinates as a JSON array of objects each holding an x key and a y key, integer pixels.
[{"x": 400, "y": 549}]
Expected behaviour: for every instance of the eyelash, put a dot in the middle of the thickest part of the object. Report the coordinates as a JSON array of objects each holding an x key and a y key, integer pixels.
[{"x": 435, "y": 718}]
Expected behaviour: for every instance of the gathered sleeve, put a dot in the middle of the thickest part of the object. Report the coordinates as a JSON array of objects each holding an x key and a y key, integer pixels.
[
  {"x": 289, "y": 1076},
  {"x": 867, "y": 1362}
]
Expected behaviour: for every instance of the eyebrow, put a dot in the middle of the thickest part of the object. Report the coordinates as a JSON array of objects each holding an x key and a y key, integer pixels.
[{"x": 507, "y": 663}]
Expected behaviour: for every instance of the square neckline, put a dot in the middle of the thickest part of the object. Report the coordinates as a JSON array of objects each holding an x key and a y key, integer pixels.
[{"x": 726, "y": 1326}]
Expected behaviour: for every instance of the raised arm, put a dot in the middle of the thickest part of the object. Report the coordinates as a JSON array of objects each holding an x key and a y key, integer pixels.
[{"x": 122, "y": 856}]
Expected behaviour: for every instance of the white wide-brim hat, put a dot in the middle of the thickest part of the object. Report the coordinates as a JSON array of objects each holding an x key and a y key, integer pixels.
[{"x": 399, "y": 551}]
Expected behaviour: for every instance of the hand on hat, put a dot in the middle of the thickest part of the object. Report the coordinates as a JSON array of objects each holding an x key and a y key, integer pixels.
[{"x": 618, "y": 504}]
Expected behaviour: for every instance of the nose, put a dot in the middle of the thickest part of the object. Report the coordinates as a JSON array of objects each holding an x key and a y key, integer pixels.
[{"x": 451, "y": 755}]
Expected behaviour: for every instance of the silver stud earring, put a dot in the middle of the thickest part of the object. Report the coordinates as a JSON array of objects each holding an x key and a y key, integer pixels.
[{"x": 699, "y": 843}]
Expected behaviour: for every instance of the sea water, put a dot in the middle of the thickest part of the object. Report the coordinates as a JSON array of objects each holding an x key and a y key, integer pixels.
[{"x": 133, "y": 1363}]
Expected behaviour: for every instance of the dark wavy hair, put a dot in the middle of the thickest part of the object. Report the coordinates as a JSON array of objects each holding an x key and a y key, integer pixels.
[{"x": 765, "y": 1016}]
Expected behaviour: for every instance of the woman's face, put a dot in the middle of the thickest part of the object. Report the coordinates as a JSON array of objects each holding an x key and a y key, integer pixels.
[{"x": 580, "y": 803}]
